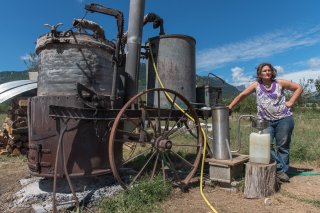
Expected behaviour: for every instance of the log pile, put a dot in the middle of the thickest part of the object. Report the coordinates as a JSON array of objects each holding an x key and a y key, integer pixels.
[{"x": 14, "y": 131}]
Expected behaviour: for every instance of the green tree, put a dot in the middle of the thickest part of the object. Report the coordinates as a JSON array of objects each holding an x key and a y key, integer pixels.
[
  {"x": 317, "y": 85},
  {"x": 246, "y": 106},
  {"x": 306, "y": 94}
]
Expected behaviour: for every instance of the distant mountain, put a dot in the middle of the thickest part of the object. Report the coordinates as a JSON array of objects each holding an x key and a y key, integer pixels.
[
  {"x": 241, "y": 87},
  {"x": 7, "y": 76},
  {"x": 227, "y": 89}
]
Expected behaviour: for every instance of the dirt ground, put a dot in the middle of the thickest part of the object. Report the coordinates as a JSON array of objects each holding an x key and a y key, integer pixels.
[
  {"x": 302, "y": 194},
  {"x": 11, "y": 172}
]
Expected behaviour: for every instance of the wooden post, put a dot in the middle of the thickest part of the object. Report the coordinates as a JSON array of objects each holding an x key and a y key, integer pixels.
[{"x": 260, "y": 180}]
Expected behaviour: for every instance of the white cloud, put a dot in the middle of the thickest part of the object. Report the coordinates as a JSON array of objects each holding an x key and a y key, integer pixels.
[
  {"x": 239, "y": 78},
  {"x": 257, "y": 47},
  {"x": 28, "y": 58},
  {"x": 300, "y": 76},
  {"x": 279, "y": 69},
  {"x": 314, "y": 62},
  {"x": 297, "y": 76},
  {"x": 25, "y": 57}
]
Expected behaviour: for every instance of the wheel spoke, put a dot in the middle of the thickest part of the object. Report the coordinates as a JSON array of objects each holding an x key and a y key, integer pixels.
[
  {"x": 172, "y": 167},
  {"x": 162, "y": 168},
  {"x": 178, "y": 132},
  {"x": 184, "y": 160},
  {"x": 173, "y": 127},
  {"x": 150, "y": 121},
  {"x": 155, "y": 165},
  {"x": 130, "y": 146},
  {"x": 185, "y": 145},
  {"x": 141, "y": 170},
  {"x": 170, "y": 112},
  {"x": 133, "y": 158},
  {"x": 159, "y": 120},
  {"x": 132, "y": 149}
]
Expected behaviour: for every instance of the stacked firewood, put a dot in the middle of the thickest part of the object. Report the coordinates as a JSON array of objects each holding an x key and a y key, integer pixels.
[{"x": 14, "y": 131}]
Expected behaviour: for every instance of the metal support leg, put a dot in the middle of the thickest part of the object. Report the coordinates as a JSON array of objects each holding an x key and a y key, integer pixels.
[{"x": 61, "y": 146}]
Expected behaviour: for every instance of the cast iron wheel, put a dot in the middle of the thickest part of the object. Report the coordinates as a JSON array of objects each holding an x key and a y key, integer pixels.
[{"x": 150, "y": 134}]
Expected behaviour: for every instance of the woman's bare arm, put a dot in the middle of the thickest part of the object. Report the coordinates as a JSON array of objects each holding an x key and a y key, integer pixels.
[
  {"x": 249, "y": 90},
  {"x": 294, "y": 87}
]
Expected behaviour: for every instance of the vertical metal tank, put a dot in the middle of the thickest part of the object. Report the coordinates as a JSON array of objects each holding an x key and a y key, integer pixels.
[
  {"x": 220, "y": 130},
  {"x": 65, "y": 60},
  {"x": 174, "y": 57}
]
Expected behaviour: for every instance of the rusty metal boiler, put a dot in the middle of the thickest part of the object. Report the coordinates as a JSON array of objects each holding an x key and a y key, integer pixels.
[{"x": 65, "y": 59}]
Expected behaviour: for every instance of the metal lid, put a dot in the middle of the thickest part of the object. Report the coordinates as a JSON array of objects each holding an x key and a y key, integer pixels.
[
  {"x": 259, "y": 123},
  {"x": 216, "y": 107},
  {"x": 172, "y": 36}
]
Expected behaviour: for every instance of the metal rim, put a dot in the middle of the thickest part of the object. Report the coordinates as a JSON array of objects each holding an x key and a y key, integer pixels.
[
  {"x": 173, "y": 36},
  {"x": 156, "y": 140}
]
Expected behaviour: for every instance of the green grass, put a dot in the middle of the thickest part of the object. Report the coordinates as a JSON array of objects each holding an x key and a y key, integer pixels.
[
  {"x": 8, "y": 158},
  {"x": 245, "y": 130},
  {"x": 305, "y": 144},
  {"x": 313, "y": 202},
  {"x": 2, "y": 118},
  {"x": 145, "y": 197}
]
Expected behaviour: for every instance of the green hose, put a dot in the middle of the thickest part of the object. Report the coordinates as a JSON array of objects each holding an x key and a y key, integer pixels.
[{"x": 303, "y": 173}]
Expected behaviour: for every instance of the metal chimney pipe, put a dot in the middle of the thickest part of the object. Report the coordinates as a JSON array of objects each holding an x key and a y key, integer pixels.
[{"x": 134, "y": 38}]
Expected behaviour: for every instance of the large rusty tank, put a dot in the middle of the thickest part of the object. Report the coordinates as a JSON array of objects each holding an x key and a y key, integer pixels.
[{"x": 65, "y": 59}]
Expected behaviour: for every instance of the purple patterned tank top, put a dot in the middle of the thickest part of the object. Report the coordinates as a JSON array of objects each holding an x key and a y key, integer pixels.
[{"x": 271, "y": 103}]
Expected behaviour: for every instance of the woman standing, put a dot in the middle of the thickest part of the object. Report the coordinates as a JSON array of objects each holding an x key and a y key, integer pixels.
[{"x": 273, "y": 107}]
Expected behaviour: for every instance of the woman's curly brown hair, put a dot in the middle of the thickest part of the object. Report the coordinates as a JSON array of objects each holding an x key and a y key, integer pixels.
[{"x": 259, "y": 69}]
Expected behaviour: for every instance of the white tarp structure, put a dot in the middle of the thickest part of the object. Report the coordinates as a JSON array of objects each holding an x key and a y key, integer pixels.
[{"x": 13, "y": 88}]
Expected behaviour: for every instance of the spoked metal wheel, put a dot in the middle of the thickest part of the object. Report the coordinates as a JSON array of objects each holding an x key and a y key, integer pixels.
[{"x": 150, "y": 134}]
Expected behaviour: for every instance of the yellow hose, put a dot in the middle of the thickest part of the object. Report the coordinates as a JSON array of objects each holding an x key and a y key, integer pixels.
[{"x": 202, "y": 130}]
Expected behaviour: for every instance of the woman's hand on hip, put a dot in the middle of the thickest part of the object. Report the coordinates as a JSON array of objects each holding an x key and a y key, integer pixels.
[{"x": 289, "y": 104}]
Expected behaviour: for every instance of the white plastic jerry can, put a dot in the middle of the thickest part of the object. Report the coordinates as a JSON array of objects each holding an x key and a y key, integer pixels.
[{"x": 259, "y": 148}]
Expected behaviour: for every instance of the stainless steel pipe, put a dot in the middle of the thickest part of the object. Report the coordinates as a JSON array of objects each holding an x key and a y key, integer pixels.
[{"x": 136, "y": 15}]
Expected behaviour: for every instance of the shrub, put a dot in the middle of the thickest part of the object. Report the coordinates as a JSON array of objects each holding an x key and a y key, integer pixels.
[{"x": 143, "y": 197}]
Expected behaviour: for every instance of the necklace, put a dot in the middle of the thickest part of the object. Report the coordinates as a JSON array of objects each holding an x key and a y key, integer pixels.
[{"x": 267, "y": 86}]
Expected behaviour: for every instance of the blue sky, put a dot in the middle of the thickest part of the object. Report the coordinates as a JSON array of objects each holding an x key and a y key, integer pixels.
[{"x": 233, "y": 36}]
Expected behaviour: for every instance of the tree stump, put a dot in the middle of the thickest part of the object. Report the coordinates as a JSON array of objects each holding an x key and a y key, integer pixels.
[{"x": 260, "y": 180}]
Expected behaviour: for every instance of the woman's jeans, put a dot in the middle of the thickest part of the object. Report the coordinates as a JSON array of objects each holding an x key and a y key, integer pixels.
[{"x": 281, "y": 131}]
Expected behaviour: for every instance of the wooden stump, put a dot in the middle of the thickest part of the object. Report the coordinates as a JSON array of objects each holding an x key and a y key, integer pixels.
[{"x": 260, "y": 180}]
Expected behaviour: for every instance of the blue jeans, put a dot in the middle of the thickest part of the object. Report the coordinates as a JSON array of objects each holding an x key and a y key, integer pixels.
[{"x": 281, "y": 131}]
